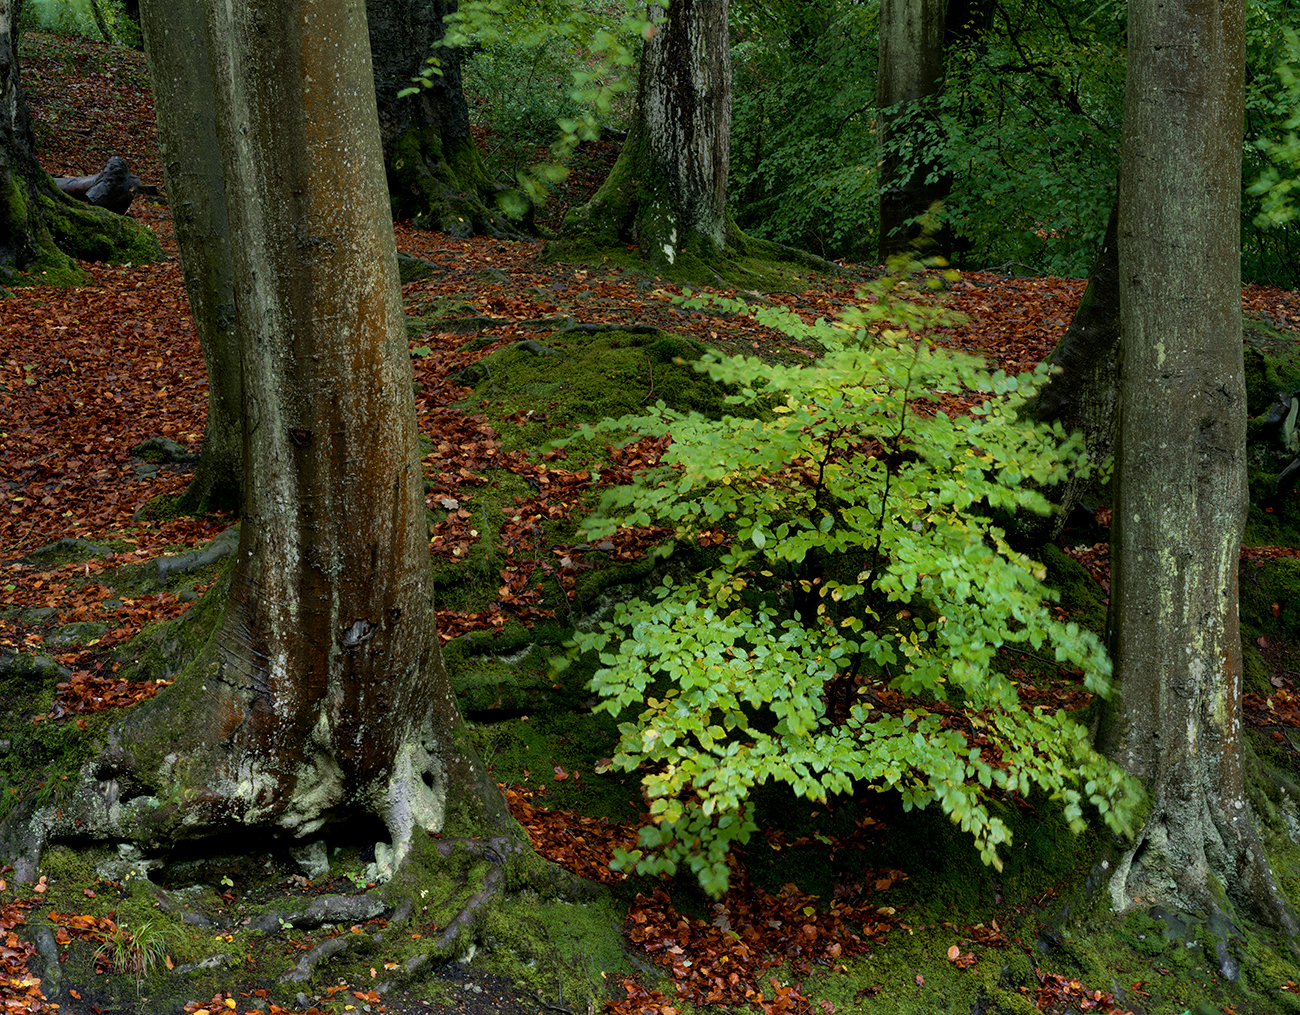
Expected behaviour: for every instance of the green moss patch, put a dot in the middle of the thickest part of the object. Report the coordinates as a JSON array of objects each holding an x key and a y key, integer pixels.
[
  {"x": 1272, "y": 363},
  {"x": 95, "y": 234},
  {"x": 538, "y": 388}
]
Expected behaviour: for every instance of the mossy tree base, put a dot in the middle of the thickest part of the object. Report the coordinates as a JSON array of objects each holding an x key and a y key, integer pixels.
[
  {"x": 217, "y": 914},
  {"x": 65, "y": 231},
  {"x": 636, "y": 207},
  {"x": 146, "y": 813},
  {"x": 447, "y": 188}
]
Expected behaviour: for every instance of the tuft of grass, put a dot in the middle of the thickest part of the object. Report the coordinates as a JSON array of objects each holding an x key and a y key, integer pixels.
[{"x": 135, "y": 953}]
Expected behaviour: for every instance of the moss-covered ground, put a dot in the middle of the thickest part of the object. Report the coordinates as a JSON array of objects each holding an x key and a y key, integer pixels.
[
  {"x": 1035, "y": 920},
  {"x": 511, "y": 356}
]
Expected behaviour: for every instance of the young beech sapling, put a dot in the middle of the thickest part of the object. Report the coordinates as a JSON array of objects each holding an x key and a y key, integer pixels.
[{"x": 861, "y": 557}]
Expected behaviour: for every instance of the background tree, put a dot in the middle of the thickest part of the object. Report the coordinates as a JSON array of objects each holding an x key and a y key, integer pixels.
[
  {"x": 435, "y": 170},
  {"x": 910, "y": 71},
  {"x": 1180, "y": 506},
  {"x": 668, "y": 191},
  {"x": 41, "y": 229},
  {"x": 185, "y": 107}
]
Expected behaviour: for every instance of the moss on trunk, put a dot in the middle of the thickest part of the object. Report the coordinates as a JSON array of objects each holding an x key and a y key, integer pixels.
[
  {"x": 59, "y": 231},
  {"x": 445, "y": 187}
]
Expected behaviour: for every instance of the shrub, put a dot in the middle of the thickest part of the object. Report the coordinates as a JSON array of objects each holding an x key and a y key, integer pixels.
[{"x": 860, "y": 552}]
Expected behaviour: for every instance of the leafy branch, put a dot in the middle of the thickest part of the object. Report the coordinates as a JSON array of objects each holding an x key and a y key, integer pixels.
[{"x": 851, "y": 465}]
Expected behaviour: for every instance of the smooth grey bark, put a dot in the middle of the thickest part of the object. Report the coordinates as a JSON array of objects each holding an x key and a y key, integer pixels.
[
  {"x": 185, "y": 108},
  {"x": 1083, "y": 392},
  {"x": 321, "y": 696},
  {"x": 1180, "y": 507},
  {"x": 909, "y": 70},
  {"x": 668, "y": 190}
]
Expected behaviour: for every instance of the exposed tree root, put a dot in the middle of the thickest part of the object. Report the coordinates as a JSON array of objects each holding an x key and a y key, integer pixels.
[{"x": 223, "y": 545}]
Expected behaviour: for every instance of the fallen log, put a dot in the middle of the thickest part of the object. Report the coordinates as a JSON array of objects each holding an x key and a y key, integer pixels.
[{"x": 114, "y": 187}]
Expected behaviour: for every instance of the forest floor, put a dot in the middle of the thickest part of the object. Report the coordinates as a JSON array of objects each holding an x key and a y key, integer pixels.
[{"x": 88, "y": 374}]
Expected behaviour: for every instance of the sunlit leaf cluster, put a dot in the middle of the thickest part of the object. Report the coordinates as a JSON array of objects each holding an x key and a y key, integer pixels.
[{"x": 857, "y": 547}]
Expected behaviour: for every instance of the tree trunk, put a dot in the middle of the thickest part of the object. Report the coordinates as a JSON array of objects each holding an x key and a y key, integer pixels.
[
  {"x": 1083, "y": 394},
  {"x": 322, "y": 696},
  {"x": 435, "y": 171},
  {"x": 41, "y": 229},
  {"x": 668, "y": 191},
  {"x": 1181, "y": 501},
  {"x": 100, "y": 23},
  {"x": 910, "y": 69},
  {"x": 185, "y": 107}
]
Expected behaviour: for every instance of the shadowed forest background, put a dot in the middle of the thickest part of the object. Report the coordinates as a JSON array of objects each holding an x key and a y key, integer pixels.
[{"x": 856, "y": 903}]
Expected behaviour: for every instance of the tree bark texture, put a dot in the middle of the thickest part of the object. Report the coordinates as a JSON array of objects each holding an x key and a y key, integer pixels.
[
  {"x": 1181, "y": 498},
  {"x": 185, "y": 107},
  {"x": 19, "y": 239},
  {"x": 435, "y": 171},
  {"x": 1083, "y": 392},
  {"x": 321, "y": 697},
  {"x": 402, "y": 36},
  {"x": 910, "y": 70},
  {"x": 668, "y": 191}
]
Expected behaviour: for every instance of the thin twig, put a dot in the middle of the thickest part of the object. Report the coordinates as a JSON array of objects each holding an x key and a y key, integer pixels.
[{"x": 648, "y": 394}]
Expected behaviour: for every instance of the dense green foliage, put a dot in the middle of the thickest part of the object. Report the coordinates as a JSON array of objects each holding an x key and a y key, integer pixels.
[
  {"x": 803, "y": 166},
  {"x": 77, "y": 17},
  {"x": 857, "y": 548},
  {"x": 1273, "y": 161},
  {"x": 1027, "y": 129},
  {"x": 1028, "y": 125}
]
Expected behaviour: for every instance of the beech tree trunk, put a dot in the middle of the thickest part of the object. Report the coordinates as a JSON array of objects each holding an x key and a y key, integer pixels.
[
  {"x": 910, "y": 69},
  {"x": 41, "y": 229},
  {"x": 1180, "y": 507},
  {"x": 321, "y": 697},
  {"x": 435, "y": 171},
  {"x": 668, "y": 191},
  {"x": 185, "y": 107}
]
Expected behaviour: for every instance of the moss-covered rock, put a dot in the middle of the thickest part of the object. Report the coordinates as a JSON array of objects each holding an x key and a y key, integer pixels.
[{"x": 95, "y": 234}]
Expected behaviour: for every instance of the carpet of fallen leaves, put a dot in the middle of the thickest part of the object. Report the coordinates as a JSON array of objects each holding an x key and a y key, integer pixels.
[{"x": 87, "y": 374}]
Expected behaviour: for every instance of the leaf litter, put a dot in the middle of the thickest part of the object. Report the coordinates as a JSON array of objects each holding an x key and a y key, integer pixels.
[{"x": 87, "y": 374}]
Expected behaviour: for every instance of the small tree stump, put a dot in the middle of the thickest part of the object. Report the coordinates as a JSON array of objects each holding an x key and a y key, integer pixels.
[{"x": 114, "y": 187}]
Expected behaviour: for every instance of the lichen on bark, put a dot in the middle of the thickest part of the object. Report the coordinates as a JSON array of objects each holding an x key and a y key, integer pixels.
[{"x": 1180, "y": 507}]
